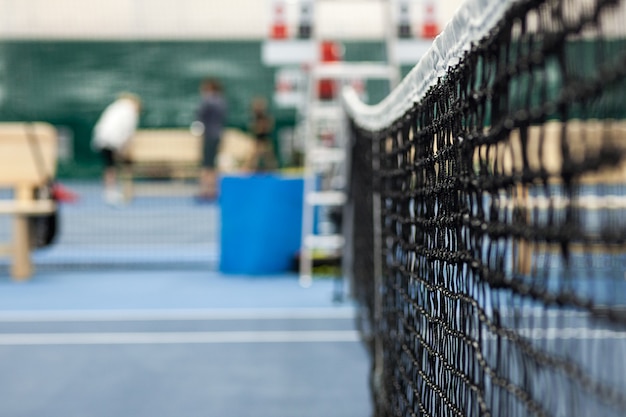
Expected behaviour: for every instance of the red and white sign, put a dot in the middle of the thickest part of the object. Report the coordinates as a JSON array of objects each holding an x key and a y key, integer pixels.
[
  {"x": 330, "y": 52},
  {"x": 430, "y": 27},
  {"x": 278, "y": 29},
  {"x": 289, "y": 87}
]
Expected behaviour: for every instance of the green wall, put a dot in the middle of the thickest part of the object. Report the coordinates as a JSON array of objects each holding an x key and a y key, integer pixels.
[{"x": 68, "y": 83}]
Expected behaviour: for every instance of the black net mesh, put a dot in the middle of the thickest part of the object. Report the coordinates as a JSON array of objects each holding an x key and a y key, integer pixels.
[{"x": 502, "y": 198}]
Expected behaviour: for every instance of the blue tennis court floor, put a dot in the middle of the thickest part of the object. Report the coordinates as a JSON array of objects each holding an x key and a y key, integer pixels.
[
  {"x": 110, "y": 326},
  {"x": 191, "y": 343}
]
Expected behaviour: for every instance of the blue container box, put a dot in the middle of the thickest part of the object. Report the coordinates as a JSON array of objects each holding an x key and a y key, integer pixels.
[{"x": 261, "y": 223}]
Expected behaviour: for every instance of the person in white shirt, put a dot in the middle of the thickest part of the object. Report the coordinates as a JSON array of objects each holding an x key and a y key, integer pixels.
[{"x": 113, "y": 131}]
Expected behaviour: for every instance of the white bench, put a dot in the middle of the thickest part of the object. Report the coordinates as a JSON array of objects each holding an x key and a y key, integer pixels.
[{"x": 28, "y": 158}]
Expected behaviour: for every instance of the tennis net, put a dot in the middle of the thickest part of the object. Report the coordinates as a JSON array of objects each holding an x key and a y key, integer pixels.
[{"x": 489, "y": 235}]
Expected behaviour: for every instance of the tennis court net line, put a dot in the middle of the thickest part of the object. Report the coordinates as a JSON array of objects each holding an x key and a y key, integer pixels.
[{"x": 489, "y": 230}]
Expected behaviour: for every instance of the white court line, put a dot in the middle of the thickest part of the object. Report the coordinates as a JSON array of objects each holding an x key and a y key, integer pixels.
[
  {"x": 539, "y": 313},
  {"x": 177, "y": 314},
  {"x": 571, "y": 333},
  {"x": 157, "y": 338},
  {"x": 566, "y": 333},
  {"x": 227, "y": 314}
]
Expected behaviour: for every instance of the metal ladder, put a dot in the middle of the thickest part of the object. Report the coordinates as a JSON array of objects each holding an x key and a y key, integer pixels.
[
  {"x": 326, "y": 159},
  {"x": 326, "y": 163}
]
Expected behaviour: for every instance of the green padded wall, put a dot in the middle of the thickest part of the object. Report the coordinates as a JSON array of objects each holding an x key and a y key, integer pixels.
[{"x": 68, "y": 83}]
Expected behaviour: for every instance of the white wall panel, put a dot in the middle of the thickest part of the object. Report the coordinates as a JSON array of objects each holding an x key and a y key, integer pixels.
[{"x": 204, "y": 19}]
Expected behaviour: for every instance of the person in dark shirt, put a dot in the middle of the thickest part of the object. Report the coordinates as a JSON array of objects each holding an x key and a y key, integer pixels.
[
  {"x": 211, "y": 114},
  {"x": 261, "y": 127}
]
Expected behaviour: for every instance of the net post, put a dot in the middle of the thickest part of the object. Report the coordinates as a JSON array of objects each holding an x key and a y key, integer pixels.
[{"x": 378, "y": 369}]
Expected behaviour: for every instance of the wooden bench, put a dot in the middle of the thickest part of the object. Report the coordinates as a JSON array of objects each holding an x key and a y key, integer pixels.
[
  {"x": 28, "y": 158},
  {"x": 161, "y": 153},
  {"x": 177, "y": 154}
]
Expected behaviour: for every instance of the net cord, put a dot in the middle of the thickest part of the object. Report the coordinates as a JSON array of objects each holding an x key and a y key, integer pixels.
[{"x": 473, "y": 20}]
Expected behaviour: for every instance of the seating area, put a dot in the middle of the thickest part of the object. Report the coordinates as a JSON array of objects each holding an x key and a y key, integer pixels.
[
  {"x": 28, "y": 160},
  {"x": 176, "y": 154},
  {"x": 160, "y": 153}
]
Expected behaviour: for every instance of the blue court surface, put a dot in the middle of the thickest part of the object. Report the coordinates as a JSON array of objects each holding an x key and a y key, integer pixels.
[
  {"x": 178, "y": 344},
  {"x": 109, "y": 326}
]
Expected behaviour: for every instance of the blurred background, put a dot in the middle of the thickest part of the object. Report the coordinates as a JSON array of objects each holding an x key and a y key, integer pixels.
[
  {"x": 63, "y": 61},
  {"x": 165, "y": 306}
]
